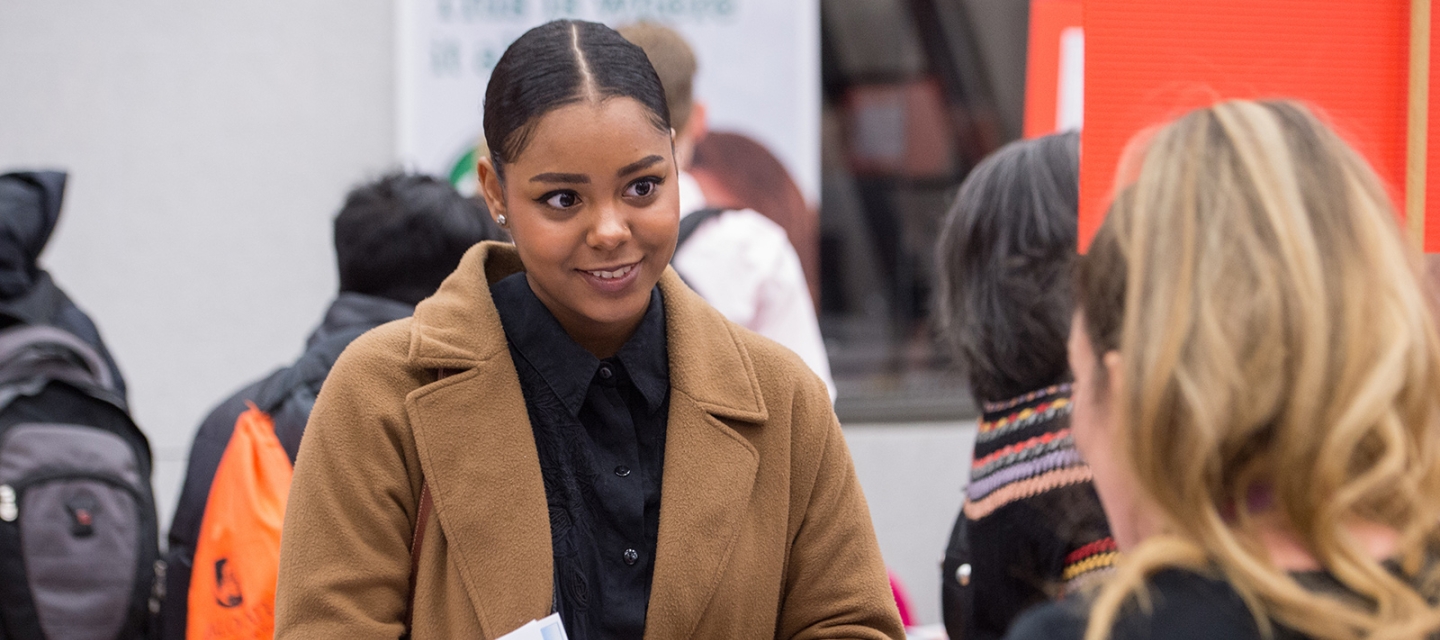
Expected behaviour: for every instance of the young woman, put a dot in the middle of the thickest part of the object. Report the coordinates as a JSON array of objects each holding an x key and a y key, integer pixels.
[
  {"x": 1257, "y": 388},
  {"x": 565, "y": 427}
]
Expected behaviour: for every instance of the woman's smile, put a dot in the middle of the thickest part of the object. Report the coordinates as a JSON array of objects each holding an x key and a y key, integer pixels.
[{"x": 612, "y": 280}]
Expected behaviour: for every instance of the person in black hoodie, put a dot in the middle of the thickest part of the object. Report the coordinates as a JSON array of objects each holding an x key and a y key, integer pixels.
[
  {"x": 29, "y": 208},
  {"x": 395, "y": 240}
]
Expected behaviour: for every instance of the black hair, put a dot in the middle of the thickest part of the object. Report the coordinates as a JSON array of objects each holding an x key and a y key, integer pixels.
[
  {"x": 399, "y": 236},
  {"x": 1004, "y": 260},
  {"x": 559, "y": 63}
]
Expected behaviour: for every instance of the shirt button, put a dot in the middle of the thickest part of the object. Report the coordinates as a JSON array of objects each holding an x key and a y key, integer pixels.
[
  {"x": 631, "y": 557},
  {"x": 622, "y": 471},
  {"x": 605, "y": 372}
]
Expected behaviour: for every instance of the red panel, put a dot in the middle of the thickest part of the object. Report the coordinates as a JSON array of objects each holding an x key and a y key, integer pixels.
[
  {"x": 1147, "y": 61},
  {"x": 1048, "y": 19},
  {"x": 1432, "y": 163}
]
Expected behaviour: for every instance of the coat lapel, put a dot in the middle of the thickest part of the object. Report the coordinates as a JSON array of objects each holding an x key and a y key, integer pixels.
[
  {"x": 478, "y": 456},
  {"x": 477, "y": 450},
  {"x": 710, "y": 468}
]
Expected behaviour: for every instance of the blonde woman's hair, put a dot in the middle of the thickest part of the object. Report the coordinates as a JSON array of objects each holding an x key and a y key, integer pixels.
[{"x": 1275, "y": 340}]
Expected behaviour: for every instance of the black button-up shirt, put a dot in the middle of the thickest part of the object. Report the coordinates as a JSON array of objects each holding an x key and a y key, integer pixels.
[{"x": 600, "y": 433}]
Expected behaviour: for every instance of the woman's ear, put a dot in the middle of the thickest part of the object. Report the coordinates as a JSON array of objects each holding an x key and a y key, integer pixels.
[
  {"x": 491, "y": 188},
  {"x": 1114, "y": 376}
]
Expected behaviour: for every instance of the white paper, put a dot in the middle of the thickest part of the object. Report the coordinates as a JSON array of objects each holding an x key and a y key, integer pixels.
[{"x": 547, "y": 628}]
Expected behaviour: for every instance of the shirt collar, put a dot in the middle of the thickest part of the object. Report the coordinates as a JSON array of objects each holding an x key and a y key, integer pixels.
[
  {"x": 566, "y": 366},
  {"x": 645, "y": 356}
]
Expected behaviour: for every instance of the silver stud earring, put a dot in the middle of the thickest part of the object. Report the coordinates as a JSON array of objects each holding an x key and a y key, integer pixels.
[{"x": 500, "y": 219}]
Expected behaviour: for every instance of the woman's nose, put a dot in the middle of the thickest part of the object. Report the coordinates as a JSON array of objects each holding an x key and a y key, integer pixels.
[{"x": 610, "y": 228}]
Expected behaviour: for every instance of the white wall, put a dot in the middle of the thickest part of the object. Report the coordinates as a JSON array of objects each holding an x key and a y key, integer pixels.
[
  {"x": 208, "y": 143},
  {"x": 913, "y": 476}
]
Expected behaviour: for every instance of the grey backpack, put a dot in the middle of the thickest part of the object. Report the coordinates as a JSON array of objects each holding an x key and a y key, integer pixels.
[{"x": 78, "y": 545}]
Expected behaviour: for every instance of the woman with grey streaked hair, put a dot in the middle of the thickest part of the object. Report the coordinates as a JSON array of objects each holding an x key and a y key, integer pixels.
[{"x": 1031, "y": 526}]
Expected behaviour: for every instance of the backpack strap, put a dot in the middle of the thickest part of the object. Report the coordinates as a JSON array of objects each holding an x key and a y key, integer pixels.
[
  {"x": 690, "y": 223},
  {"x": 422, "y": 514}
]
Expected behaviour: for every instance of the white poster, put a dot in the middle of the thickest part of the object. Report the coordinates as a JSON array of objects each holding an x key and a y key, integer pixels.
[{"x": 759, "y": 69}]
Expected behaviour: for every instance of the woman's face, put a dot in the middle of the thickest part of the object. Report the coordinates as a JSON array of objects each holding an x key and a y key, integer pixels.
[
  {"x": 1093, "y": 423},
  {"x": 593, "y": 207}
]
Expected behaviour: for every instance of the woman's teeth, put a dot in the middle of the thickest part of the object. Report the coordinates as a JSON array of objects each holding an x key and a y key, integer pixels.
[{"x": 611, "y": 275}]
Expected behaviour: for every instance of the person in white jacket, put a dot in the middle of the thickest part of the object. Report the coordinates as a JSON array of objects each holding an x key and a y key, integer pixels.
[{"x": 740, "y": 261}]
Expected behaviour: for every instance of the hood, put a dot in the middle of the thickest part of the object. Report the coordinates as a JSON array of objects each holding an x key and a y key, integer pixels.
[
  {"x": 29, "y": 208},
  {"x": 354, "y": 313}
]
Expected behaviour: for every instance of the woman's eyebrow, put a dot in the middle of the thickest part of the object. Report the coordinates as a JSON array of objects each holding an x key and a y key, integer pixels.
[
  {"x": 568, "y": 178},
  {"x": 638, "y": 165}
]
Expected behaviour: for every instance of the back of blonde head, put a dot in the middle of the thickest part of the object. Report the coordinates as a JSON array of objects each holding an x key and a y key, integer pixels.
[{"x": 1276, "y": 340}]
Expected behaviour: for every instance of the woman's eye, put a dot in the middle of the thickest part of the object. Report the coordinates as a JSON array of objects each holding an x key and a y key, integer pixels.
[
  {"x": 562, "y": 200},
  {"x": 641, "y": 188}
]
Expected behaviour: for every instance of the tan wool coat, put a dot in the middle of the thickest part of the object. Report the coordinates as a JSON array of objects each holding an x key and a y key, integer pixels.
[{"x": 764, "y": 532}]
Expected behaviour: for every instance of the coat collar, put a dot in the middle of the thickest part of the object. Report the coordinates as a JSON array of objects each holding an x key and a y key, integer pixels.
[
  {"x": 458, "y": 327},
  {"x": 478, "y": 456}
]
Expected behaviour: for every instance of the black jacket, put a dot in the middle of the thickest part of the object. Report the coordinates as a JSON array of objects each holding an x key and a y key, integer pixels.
[
  {"x": 29, "y": 208},
  {"x": 1183, "y": 606},
  {"x": 287, "y": 395}
]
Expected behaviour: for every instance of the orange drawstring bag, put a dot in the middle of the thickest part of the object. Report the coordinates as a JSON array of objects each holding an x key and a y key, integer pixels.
[{"x": 237, "y": 555}]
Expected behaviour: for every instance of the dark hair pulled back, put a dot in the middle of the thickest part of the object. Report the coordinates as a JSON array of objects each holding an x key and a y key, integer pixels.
[
  {"x": 559, "y": 63},
  {"x": 1004, "y": 259}
]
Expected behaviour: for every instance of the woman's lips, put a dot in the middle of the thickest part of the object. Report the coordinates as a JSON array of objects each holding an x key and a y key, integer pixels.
[
  {"x": 612, "y": 280},
  {"x": 617, "y": 272}
]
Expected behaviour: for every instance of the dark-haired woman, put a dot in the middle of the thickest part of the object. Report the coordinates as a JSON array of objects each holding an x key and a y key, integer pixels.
[
  {"x": 565, "y": 427},
  {"x": 1032, "y": 526}
]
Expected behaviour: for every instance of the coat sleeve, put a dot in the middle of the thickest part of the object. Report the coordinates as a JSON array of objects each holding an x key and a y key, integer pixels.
[
  {"x": 835, "y": 583},
  {"x": 345, "y": 549}
]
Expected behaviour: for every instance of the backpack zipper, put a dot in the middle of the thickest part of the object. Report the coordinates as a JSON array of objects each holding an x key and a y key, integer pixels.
[
  {"x": 9, "y": 510},
  {"x": 9, "y": 500},
  {"x": 157, "y": 588}
]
